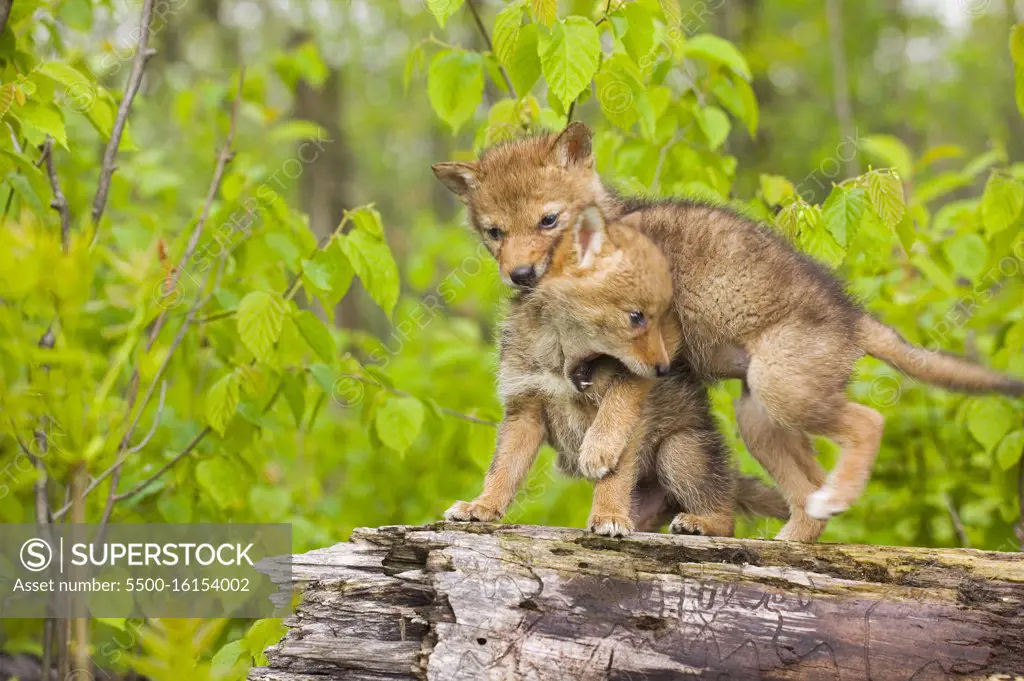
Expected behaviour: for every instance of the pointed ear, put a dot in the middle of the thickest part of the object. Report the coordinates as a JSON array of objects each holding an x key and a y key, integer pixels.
[
  {"x": 461, "y": 178},
  {"x": 572, "y": 146},
  {"x": 588, "y": 236}
]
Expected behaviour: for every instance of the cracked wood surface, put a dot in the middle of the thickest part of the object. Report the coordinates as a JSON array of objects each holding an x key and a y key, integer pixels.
[{"x": 457, "y": 602}]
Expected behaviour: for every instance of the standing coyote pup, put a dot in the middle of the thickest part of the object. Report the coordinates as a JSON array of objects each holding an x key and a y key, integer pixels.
[
  {"x": 651, "y": 446},
  {"x": 736, "y": 283}
]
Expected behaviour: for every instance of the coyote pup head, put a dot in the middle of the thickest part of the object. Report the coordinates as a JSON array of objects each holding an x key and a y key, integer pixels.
[
  {"x": 525, "y": 195},
  {"x": 614, "y": 296}
]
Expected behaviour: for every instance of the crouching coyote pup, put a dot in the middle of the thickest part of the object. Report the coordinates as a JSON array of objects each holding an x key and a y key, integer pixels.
[
  {"x": 736, "y": 283},
  {"x": 652, "y": 446}
]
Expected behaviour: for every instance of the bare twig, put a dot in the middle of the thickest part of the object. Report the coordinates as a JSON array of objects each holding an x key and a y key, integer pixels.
[
  {"x": 156, "y": 421},
  {"x": 142, "y": 55},
  {"x": 840, "y": 83},
  {"x": 166, "y": 467},
  {"x": 185, "y": 452},
  {"x": 490, "y": 46},
  {"x": 59, "y": 203},
  {"x": 402, "y": 393},
  {"x": 5, "y": 13},
  {"x": 223, "y": 158},
  {"x": 958, "y": 524}
]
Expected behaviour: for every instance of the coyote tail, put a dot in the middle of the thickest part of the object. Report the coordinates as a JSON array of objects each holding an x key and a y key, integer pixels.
[
  {"x": 937, "y": 368},
  {"x": 754, "y": 498}
]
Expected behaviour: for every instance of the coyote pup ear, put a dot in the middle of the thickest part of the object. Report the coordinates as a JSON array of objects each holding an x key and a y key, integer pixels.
[
  {"x": 461, "y": 178},
  {"x": 588, "y": 236},
  {"x": 572, "y": 146}
]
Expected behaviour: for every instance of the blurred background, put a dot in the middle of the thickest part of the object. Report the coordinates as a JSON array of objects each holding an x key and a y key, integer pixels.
[{"x": 371, "y": 397}]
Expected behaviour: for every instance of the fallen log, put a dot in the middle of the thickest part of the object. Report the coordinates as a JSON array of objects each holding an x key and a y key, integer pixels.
[{"x": 505, "y": 602}]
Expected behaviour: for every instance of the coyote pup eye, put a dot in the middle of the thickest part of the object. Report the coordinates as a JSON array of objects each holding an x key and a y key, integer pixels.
[
  {"x": 637, "y": 319},
  {"x": 494, "y": 233},
  {"x": 548, "y": 221}
]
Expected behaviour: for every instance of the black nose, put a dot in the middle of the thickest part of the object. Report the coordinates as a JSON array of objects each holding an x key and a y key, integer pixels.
[
  {"x": 661, "y": 369},
  {"x": 524, "y": 275}
]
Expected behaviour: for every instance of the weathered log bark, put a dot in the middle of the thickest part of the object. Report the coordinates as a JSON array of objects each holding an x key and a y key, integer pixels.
[{"x": 505, "y": 602}]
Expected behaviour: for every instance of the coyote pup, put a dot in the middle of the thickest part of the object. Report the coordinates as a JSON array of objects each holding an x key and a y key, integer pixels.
[
  {"x": 736, "y": 283},
  {"x": 652, "y": 446}
]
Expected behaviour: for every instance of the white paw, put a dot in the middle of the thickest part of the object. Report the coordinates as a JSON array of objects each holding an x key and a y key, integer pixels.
[
  {"x": 593, "y": 470},
  {"x": 824, "y": 503},
  {"x": 611, "y": 527},
  {"x": 463, "y": 511}
]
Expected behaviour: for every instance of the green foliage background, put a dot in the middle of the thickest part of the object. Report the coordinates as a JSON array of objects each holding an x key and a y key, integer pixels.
[{"x": 326, "y": 352}]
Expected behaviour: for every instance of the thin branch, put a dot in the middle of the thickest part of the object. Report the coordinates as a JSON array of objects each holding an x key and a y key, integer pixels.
[
  {"x": 402, "y": 393},
  {"x": 490, "y": 46},
  {"x": 166, "y": 467},
  {"x": 958, "y": 524},
  {"x": 5, "y": 13},
  {"x": 185, "y": 452},
  {"x": 223, "y": 158},
  {"x": 661, "y": 161},
  {"x": 142, "y": 55},
  {"x": 156, "y": 421},
  {"x": 59, "y": 203}
]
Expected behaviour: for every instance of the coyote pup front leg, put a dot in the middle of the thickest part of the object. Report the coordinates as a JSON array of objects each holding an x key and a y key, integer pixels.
[
  {"x": 519, "y": 438},
  {"x": 620, "y": 411}
]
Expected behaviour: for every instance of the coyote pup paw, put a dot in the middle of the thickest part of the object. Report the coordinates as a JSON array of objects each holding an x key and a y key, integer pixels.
[
  {"x": 465, "y": 511},
  {"x": 610, "y": 525},
  {"x": 596, "y": 461},
  {"x": 824, "y": 503}
]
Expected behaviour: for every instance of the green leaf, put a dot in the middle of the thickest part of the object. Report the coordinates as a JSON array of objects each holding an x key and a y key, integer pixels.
[
  {"x": 506, "y": 32},
  {"x": 68, "y": 76},
  {"x": 673, "y": 15},
  {"x": 224, "y": 481},
  {"x": 1001, "y": 203},
  {"x": 717, "y": 50},
  {"x": 775, "y": 189},
  {"x": 21, "y": 186},
  {"x": 41, "y": 119},
  {"x": 890, "y": 151},
  {"x": 736, "y": 95},
  {"x": 569, "y": 57},
  {"x": 317, "y": 335},
  {"x": 639, "y": 37},
  {"x": 398, "y": 421},
  {"x": 886, "y": 194},
  {"x": 617, "y": 83},
  {"x": 1009, "y": 451},
  {"x": 989, "y": 419},
  {"x": 442, "y": 9},
  {"x": 816, "y": 240},
  {"x": 1018, "y": 79},
  {"x": 222, "y": 402},
  {"x": 843, "y": 211},
  {"x": 544, "y": 11},
  {"x": 715, "y": 125},
  {"x": 367, "y": 219},
  {"x": 1017, "y": 44},
  {"x": 372, "y": 260},
  {"x": 967, "y": 254},
  {"x": 294, "y": 389},
  {"x": 226, "y": 658},
  {"x": 455, "y": 85},
  {"x": 260, "y": 318},
  {"x": 524, "y": 65},
  {"x": 263, "y": 634}
]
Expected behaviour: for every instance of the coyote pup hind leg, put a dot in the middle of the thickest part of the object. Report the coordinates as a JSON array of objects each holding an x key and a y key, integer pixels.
[
  {"x": 714, "y": 525},
  {"x": 519, "y": 439}
]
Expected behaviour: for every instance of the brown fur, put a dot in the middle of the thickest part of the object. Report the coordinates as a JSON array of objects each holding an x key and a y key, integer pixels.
[
  {"x": 736, "y": 283},
  {"x": 651, "y": 445}
]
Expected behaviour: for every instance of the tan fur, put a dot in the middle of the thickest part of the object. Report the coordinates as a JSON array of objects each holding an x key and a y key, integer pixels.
[
  {"x": 737, "y": 284},
  {"x": 651, "y": 445}
]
